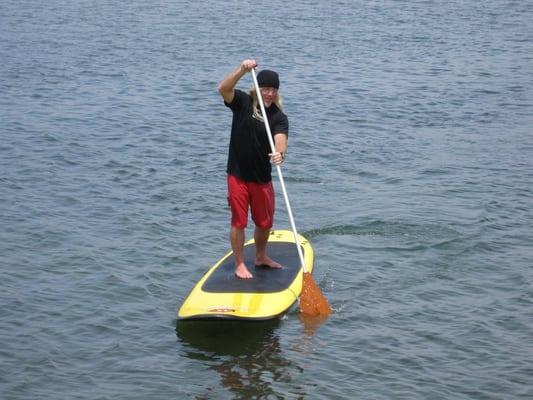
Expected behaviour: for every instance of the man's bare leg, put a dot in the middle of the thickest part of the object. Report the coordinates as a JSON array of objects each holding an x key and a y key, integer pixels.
[
  {"x": 237, "y": 245},
  {"x": 261, "y": 257}
]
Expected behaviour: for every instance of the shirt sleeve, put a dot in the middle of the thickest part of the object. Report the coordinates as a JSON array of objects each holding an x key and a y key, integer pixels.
[
  {"x": 282, "y": 125},
  {"x": 237, "y": 100}
]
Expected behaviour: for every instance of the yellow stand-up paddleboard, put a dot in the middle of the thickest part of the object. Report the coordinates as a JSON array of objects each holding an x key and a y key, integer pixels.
[{"x": 269, "y": 294}]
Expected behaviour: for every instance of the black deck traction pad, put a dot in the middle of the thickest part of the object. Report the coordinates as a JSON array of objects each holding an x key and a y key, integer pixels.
[{"x": 265, "y": 280}]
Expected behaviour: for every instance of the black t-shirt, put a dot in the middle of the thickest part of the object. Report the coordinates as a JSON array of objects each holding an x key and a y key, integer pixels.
[{"x": 249, "y": 146}]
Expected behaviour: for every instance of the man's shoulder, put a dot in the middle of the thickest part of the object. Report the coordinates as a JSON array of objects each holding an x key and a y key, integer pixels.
[
  {"x": 279, "y": 113},
  {"x": 280, "y": 121},
  {"x": 240, "y": 98}
]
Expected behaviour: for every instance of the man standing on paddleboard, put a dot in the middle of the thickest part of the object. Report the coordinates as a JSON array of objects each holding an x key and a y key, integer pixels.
[{"x": 249, "y": 161}]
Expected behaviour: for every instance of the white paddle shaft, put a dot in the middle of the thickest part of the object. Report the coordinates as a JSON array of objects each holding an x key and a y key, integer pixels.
[{"x": 278, "y": 170}]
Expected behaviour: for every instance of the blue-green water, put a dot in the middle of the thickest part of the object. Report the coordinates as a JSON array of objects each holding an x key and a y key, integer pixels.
[{"x": 410, "y": 170}]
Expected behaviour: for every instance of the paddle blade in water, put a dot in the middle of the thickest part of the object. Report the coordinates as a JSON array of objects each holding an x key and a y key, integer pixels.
[{"x": 312, "y": 301}]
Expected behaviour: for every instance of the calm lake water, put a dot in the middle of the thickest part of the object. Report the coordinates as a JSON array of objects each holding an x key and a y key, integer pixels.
[{"x": 410, "y": 170}]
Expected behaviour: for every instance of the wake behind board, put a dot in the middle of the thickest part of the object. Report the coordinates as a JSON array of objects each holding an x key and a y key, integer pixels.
[{"x": 269, "y": 294}]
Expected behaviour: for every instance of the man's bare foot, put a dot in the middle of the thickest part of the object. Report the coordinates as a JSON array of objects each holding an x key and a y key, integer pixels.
[
  {"x": 267, "y": 262},
  {"x": 242, "y": 272}
]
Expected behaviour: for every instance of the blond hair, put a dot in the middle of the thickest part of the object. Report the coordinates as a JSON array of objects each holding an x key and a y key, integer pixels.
[{"x": 255, "y": 103}]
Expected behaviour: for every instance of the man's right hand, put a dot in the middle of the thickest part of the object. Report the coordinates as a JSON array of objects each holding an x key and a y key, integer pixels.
[{"x": 248, "y": 65}]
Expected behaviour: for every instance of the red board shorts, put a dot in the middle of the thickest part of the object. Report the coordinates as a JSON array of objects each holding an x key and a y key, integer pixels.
[{"x": 259, "y": 197}]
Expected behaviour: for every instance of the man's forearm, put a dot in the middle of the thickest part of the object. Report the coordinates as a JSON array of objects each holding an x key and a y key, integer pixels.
[{"x": 230, "y": 81}]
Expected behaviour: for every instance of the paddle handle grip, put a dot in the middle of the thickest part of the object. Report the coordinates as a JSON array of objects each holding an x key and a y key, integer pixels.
[{"x": 278, "y": 170}]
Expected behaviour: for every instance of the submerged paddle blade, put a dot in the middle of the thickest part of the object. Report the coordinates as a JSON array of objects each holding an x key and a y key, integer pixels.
[{"x": 312, "y": 301}]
